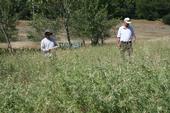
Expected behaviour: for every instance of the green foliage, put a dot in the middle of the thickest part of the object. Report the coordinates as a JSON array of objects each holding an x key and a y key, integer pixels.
[
  {"x": 88, "y": 80},
  {"x": 121, "y": 8},
  {"x": 166, "y": 19},
  {"x": 152, "y": 9},
  {"x": 40, "y": 24},
  {"x": 8, "y": 19},
  {"x": 23, "y": 9},
  {"x": 82, "y": 18},
  {"x": 90, "y": 20}
]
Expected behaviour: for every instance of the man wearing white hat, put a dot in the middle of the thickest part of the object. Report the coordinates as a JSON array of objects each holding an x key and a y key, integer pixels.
[{"x": 125, "y": 37}]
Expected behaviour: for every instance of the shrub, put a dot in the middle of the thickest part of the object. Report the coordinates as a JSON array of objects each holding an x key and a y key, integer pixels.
[
  {"x": 7, "y": 21},
  {"x": 40, "y": 24},
  {"x": 166, "y": 19}
]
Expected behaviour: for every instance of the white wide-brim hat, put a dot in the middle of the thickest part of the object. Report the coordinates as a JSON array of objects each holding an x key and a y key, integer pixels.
[{"x": 127, "y": 20}]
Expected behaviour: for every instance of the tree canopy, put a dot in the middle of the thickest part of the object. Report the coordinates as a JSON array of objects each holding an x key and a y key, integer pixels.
[{"x": 87, "y": 18}]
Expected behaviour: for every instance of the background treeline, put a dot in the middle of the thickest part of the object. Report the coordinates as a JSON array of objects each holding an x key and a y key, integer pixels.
[
  {"x": 145, "y": 9},
  {"x": 79, "y": 18}
]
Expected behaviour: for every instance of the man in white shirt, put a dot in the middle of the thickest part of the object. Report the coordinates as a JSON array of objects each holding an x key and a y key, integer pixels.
[
  {"x": 125, "y": 37},
  {"x": 48, "y": 43}
]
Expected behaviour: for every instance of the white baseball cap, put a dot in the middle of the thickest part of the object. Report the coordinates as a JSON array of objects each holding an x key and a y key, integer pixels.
[{"x": 127, "y": 20}]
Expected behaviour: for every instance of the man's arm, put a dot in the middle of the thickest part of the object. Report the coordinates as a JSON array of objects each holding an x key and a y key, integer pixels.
[
  {"x": 118, "y": 38},
  {"x": 134, "y": 37},
  {"x": 43, "y": 47},
  {"x": 133, "y": 34},
  {"x": 53, "y": 38},
  {"x": 55, "y": 47},
  {"x": 118, "y": 41}
]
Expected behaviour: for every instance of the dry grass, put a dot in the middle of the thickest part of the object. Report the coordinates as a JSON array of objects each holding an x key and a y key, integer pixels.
[{"x": 145, "y": 30}]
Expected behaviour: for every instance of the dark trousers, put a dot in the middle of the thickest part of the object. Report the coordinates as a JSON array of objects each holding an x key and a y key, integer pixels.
[{"x": 126, "y": 47}]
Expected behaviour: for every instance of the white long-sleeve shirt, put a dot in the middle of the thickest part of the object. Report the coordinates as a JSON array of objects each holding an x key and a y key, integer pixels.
[{"x": 47, "y": 44}]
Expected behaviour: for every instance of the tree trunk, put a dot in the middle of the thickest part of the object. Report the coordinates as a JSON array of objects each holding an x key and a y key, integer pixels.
[
  {"x": 84, "y": 42},
  {"x": 33, "y": 9},
  {"x": 102, "y": 40},
  {"x": 65, "y": 15},
  {"x": 94, "y": 41},
  {"x": 67, "y": 31},
  {"x": 7, "y": 39}
]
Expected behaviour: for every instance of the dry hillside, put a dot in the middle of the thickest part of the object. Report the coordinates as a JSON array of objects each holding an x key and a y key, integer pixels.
[{"x": 145, "y": 30}]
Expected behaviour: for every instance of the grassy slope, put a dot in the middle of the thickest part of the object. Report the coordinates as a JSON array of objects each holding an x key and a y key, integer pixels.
[{"x": 92, "y": 80}]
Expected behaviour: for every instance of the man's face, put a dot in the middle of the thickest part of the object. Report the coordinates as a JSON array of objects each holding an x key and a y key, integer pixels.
[
  {"x": 126, "y": 24},
  {"x": 48, "y": 34}
]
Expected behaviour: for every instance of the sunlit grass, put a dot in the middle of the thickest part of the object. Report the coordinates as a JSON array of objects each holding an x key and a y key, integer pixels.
[{"x": 91, "y": 80}]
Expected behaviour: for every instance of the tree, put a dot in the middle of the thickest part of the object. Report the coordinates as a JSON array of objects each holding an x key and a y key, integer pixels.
[
  {"x": 152, "y": 9},
  {"x": 23, "y": 9},
  {"x": 8, "y": 19},
  {"x": 166, "y": 19},
  {"x": 40, "y": 23},
  {"x": 91, "y": 20},
  {"x": 67, "y": 8},
  {"x": 120, "y": 8},
  {"x": 57, "y": 10}
]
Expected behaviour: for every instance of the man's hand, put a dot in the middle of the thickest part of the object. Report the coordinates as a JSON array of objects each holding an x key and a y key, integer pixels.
[
  {"x": 49, "y": 50},
  {"x": 118, "y": 42},
  {"x": 118, "y": 45},
  {"x": 134, "y": 39}
]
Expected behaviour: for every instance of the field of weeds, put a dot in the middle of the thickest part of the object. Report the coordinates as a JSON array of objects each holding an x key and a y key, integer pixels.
[{"x": 87, "y": 80}]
